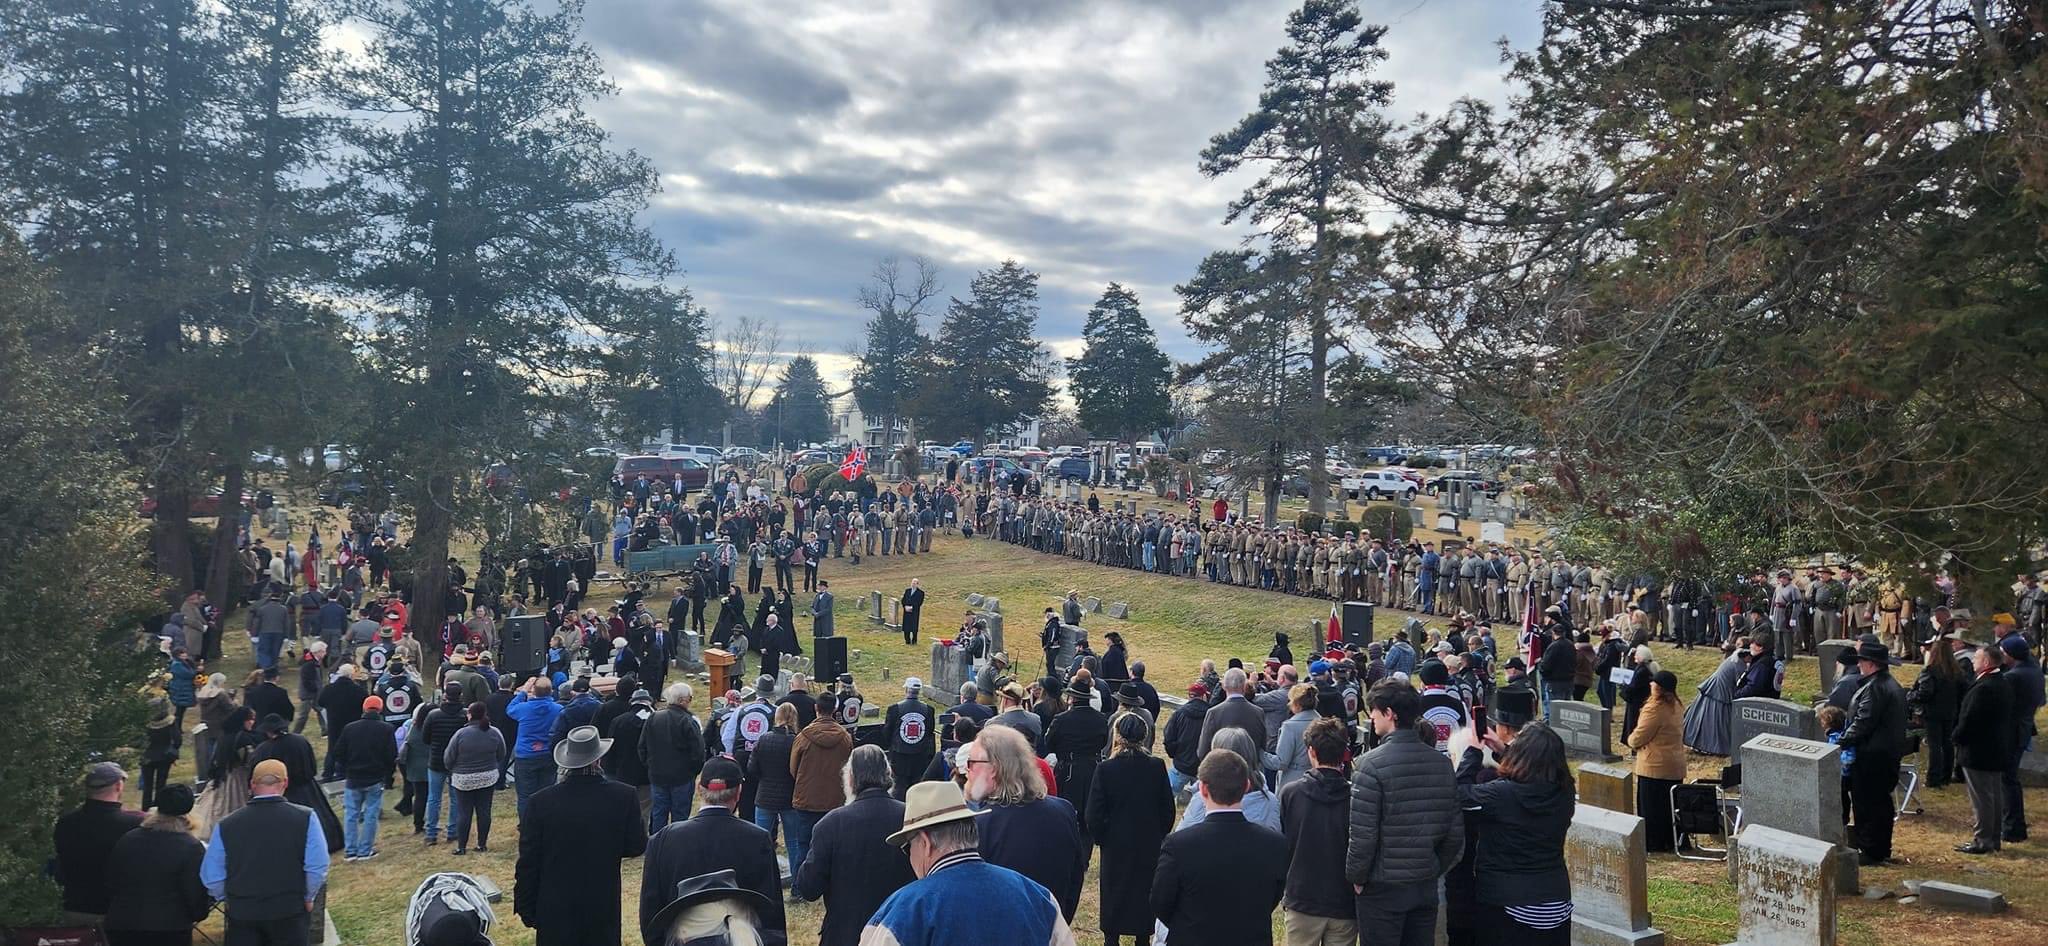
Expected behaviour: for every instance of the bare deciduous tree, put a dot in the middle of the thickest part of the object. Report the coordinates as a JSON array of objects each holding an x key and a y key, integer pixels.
[{"x": 744, "y": 353}]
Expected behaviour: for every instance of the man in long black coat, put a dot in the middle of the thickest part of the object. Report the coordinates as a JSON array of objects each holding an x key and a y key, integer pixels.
[
  {"x": 713, "y": 840},
  {"x": 850, "y": 862},
  {"x": 913, "y": 608},
  {"x": 571, "y": 840},
  {"x": 1077, "y": 737},
  {"x": 1130, "y": 811}
]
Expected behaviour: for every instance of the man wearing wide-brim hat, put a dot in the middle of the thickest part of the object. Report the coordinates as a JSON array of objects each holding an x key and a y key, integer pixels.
[
  {"x": 1877, "y": 731},
  {"x": 572, "y": 837},
  {"x": 958, "y": 897}
]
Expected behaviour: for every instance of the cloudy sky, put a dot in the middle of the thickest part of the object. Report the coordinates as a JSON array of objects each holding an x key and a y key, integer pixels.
[{"x": 799, "y": 142}]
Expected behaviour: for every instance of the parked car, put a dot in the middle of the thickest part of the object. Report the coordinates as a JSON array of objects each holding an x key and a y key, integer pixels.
[
  {"x": 1070, "y": 468},
  {"x": 709, "y": 456},
  {"x": 1439, "y": 485},
  {"x": 964, "y": 448},
  {"x": 1379, "y": 484},
  {"x": 979, "y": 467},
  {"x": 206, "y": 505},
  {"x": 266, "y": 461},
  {"x": 1069, "y": 450},
  {"x": 695, "y": 474},
  {"x": 608, "y": 453},
  {"x": 743, "y": 457}
]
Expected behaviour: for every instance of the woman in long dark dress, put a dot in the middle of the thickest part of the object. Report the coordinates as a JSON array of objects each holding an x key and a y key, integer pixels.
[
  {"x": 1130, "y": 810},
  {"x": 227, "y": 774},
  {"x": 301, "y": 771}
]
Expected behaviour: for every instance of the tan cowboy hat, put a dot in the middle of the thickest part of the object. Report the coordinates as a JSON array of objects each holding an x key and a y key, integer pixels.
[{"x": 930, "y": 804}]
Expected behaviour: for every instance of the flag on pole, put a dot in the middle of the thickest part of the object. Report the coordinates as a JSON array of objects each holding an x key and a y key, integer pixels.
[
  {"x": 855, "y": 464},
  {"x": 1336, "y": 628}
]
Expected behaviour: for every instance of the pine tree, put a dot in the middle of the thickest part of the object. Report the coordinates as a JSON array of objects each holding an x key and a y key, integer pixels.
[
  {"x": 801, "y": 411},
  {"x": 988, "y": 373},
  {"x": 656, "y": 370},
  {"x": 1120, "y": 380},
  {"x": 506, "y": 242},
  {"x": 1315, "y": 131}
]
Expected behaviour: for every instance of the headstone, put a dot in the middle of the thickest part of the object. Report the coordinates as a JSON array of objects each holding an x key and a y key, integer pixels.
[
  {"x": 1093, "y": 605},
  {"x": 1446, "y": 522},
  {"x": 875, "y": 606},
  {"x": 1757, "y": 716},
  {"x": 992, "y": 603},
  {"x": 1958, "y": 897},
  {"x": 931, "y": 680},
  {"x": 994, "y": 620},
  {"x": 1493, "y": 532},
  {"x": 1070, "y": 641},
  {"x": 1612, "y": 787},
  {"x": 1608, "y": 860},
  {"x": 1315, "y": 631},
  {"x": 1416, "y": 517},
  {"x": 2034, "y": 770},
  {"x": 690, "y": 652},
  {"x": 974, "y": 599},
  {"x": 1781, "y": 888},
  {"x": 1795, "y": 785},
  {"x": 895, "y": 613},
  {"x": 1829, "y": 669},
  {"x": 1119, "y": 610},
  {"x": 1586, "y": 729}
]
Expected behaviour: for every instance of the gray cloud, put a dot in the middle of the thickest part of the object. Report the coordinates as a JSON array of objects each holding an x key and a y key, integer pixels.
[{"x": 798, "y": 142}]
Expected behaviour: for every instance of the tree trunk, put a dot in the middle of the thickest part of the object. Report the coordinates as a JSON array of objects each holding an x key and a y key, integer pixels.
[
  {"x": 220, "y": 567},
  {"x": 170, "y": 539},
  {"x": 1273, "y": 486},
  {"x": 432, "y": 525}
]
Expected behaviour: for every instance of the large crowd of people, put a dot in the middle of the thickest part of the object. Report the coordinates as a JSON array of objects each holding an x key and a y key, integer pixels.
[{"x": 1356, "y": 792}]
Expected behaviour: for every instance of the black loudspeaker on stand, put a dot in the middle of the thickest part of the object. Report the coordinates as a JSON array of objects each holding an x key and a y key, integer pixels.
[
  {"x": 525, "y": 644},
  {"x": 1356, "y": 622},
  {"x": 830, "y": 657}
]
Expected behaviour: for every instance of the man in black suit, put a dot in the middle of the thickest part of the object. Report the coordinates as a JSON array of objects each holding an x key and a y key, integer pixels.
[
  {"x": 1227, "y": 901},
  {"x": 850, "y": 862},
  {"x": 572, "y": 837},
  {"x": 913, "y": 607},
  {"x": 713, "y": 840}
]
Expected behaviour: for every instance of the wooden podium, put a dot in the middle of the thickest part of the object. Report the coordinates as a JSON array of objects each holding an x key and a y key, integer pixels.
[{"x": 719, "y": 661}]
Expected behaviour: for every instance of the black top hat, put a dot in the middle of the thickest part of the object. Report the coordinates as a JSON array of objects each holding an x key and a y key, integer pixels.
[
  {"x": 1873, "y": 652},
  {"x": 1130, "y": 695},
  {"x": 717, "y": 885},
  {"x": 1514, "y": 706}
]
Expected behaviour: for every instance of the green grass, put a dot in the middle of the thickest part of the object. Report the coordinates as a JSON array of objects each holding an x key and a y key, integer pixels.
[{"x": 1175, "y": 623}]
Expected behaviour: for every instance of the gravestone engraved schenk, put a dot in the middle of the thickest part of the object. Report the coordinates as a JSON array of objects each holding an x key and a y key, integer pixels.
[
  {"x": 1607, "y": 857},
  {"x": 1756, "y": 716},
  {"x": 1585, "y": 729},
  {"x": 1782, "y": 889}
]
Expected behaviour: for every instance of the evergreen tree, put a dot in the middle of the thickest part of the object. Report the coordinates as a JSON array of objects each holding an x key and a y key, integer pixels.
[
  {"x": 801, "y": 411},
  {"x": 1119, "y": 383},
  {"x": 988, "y": 373},
  {"x": 656, "y": 370},
  {"x": 1316, "y": 130},
  {"x": 506, "y": 241},
  {"x": 894, "y": 356},
  {"x": 1254, "y": 405}
]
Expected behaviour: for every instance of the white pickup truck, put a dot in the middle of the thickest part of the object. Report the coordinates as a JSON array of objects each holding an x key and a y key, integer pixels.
[{"x": 1378, "y": 484}]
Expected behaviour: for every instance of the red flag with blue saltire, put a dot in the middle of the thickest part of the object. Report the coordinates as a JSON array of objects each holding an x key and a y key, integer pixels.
[{"x": 855, "y": 464}]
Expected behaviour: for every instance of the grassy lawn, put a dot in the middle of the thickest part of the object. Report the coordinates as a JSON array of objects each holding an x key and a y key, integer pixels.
[{"x": 1174, "y": 624}]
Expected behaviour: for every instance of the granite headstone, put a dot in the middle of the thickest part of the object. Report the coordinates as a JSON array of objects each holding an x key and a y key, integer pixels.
[
  {"x": 1781, "y": 888},
  {"x": 1795, "y": 785},
  {"x": 1759, "y": 716},
  {"x": 1829, "y": 650},
  {"x": 1119, "y": 610},
  {"x": 1586, "y": 728},
  {"x": 1612, "y": 787},
  {"x": 1608, "y": 862}
]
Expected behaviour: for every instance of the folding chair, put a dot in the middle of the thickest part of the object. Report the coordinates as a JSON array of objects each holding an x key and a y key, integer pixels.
[
  {"x": 1701, "y": 809},
  {"x": 1909, "y": 779}
]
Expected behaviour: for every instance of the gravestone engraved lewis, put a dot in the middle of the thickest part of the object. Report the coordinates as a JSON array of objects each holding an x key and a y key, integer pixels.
[
  {"x": 1756, "y": 716},
  {"x": 1608, "y": 861},
  {"x": 1795, "y": 785},
  {"x": 1585, "y": 729},
  {"x": 1781, "y": 889}
]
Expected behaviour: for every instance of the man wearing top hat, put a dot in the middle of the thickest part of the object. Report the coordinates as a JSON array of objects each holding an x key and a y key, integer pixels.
[
  {"x": 572, "y": 836},
  {"x": 1877, "y": 731},
  {"x": 712, "y": 840}
]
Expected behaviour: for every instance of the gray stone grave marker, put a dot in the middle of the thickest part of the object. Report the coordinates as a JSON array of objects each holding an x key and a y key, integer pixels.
[
  {"x": 994, "y": 620},
  {"x": 875, "y": 606},
  {"x": 1829, "y": 669},
  {"x": 1092, "y": 605},
  {"x": 1416, "y": 517},
  {"x": 1757, "y": 716},
  {"x": 1612, "y": 787},
  {"x": 1493, "y": 532},
  {"x": 1608, "y": 861},
  {"x": 1070, "y": 642},
  {"x": 895, "y": 614},
  {"x": 1586, "y": 728},
  {"x": 974, "y": 599},
  {"x": 1795, "y": 785},
  {"x": 690, "y": 652},
  {"x": 992, "y": 603},
  {"x": 1119, "y": 610},
  {"x": 1781, "y": 888},
  {"x": 1958, "y": 897}
]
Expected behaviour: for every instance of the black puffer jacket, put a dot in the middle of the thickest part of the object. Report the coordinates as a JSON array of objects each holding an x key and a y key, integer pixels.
[
  {"x": 1405, "y": 824},
  {"x": 1184, "y": 734},
  {"x": 768, "y": 768}
]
